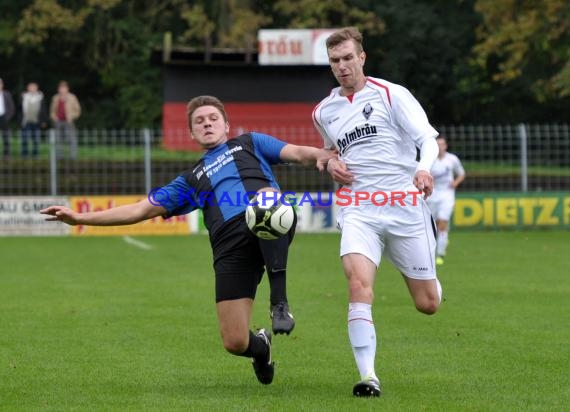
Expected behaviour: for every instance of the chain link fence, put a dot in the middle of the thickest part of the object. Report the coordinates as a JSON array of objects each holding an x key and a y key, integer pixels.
[{"x": 497, "y": 158}]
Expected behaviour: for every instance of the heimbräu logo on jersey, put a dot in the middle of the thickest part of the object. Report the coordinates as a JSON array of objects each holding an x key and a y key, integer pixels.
[{"x": 359, "y": 132}]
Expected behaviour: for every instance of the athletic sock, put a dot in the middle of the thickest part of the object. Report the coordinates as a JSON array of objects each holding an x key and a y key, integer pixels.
[
  {"x": 441, "y": 243},
  {"x": 278, "y": 286},
  {"x": 439, "y": 289},
  {"x": 256, "y": 348},
  {"x": 362, "y": 337}
]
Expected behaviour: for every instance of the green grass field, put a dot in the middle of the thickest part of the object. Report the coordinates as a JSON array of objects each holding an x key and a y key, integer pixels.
[{"x": 98, "y": 324}]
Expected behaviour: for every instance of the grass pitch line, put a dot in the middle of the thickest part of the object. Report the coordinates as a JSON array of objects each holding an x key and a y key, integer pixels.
[{"x": 137, "y": 243}]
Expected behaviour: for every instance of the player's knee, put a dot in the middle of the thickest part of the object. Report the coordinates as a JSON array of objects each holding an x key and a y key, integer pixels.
[
  {"x": 359, "y": 291},
  {"x": 427, "y": 305},
  {"x": 235, "y": 344}
]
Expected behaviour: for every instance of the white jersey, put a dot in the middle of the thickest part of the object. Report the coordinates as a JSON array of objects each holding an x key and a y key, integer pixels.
[
  {"x": 444, "y": 172},
  {"x": 376, "y": 132}
]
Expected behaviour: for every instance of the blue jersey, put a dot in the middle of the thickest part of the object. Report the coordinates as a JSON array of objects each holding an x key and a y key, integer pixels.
[{"x": 224, "y": 179}]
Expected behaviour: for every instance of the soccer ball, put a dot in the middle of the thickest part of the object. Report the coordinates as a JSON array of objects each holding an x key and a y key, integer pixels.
[{"x": 268, "y": 217}]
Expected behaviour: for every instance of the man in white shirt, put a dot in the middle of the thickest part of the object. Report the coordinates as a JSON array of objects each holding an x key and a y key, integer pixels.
[
  {"x": 448, "y": 173},
  {"x": 376, "y": 127},
  {"x": 33, "y": 115}
]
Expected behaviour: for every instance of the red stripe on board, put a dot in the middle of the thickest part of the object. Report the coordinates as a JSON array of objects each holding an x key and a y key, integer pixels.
[{"x": 291, "y": 122}]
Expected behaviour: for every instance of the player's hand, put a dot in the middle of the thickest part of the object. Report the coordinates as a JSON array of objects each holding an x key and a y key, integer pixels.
[
  {"x": 323, "y": 158},
  {"x": 424, "y": 182},
  {"x": 339, "y": 172},
  {"x": 61, "y": 214}
]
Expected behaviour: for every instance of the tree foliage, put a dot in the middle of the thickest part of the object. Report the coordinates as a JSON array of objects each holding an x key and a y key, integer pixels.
[
  {"x": 108, "y": 41},
  {"x": 424, "y": 49},
  {"x": 332, "y": 13},
  {"x": 226, "y": 24},
  {"x": 526, "y": 38},
  {"x": 200, "y": 27},
  {"x": 47, "y": 17}
]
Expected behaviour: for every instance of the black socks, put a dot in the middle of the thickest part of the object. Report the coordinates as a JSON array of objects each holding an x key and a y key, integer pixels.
[{"x": 257, "y": 348}]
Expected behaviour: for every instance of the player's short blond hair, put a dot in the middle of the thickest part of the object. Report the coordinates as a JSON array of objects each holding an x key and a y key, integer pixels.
[
  {"x": 200, "y": 101},
  {"x": 344, "y": 34}
]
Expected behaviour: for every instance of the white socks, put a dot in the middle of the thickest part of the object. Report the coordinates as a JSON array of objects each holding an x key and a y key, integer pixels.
[
  {"x": 362, "y": 337},
  {"x": 441, "y": 243}
]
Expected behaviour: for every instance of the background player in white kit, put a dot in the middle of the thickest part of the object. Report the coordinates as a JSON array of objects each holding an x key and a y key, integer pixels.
[
  {"x": 448, "y": 173},
  {"x": 376, "y": 127}
]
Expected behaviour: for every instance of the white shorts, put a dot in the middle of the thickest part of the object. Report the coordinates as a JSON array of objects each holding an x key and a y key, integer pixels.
[
  {"x": 442, "y": 206},
  {"x": 403, "y": 234}
]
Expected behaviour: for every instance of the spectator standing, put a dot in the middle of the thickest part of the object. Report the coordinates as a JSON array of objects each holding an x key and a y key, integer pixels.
[
  {"x": 64, "y": 110},
  {"x": 33, "y": 116},
  {"x": 6, "y": 114}
]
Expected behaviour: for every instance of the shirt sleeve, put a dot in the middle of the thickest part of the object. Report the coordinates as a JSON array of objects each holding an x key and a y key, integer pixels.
[
  {"x": 411, "y": 117},
  {"x": 428, "y": 153},
  {"x": 327, "y": 141},
  {"x": 268, "y": 146},
  {"x": 177, "y": 197}
]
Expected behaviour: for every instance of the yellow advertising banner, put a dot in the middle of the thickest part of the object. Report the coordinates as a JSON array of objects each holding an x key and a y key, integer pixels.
[
  {"x": 178, "y": 225},
  {"x": 512, "y": 210}
]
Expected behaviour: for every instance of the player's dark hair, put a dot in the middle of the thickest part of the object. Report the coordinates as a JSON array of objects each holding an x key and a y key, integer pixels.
[
  {"x": 200, "y": 101},
  {"x": 344, "y": 34}
]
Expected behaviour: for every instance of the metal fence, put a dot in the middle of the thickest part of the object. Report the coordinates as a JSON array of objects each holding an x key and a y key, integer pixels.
[{"x": 496, "y": 158}]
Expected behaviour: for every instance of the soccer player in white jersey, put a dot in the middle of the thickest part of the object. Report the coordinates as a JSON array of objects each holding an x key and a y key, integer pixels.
[
  {"x": 376, "y": 127},
  {"x": 448, "y": 173}
]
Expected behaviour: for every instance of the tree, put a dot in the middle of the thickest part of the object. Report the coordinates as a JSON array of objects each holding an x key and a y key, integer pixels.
[
  {"x": 332, "y": 13},
  {"x": 526, "y": 39},
  {"x": 200, "y": 26},
  {"x": 234, "y": 23},
  {"x": 423, "y": 47},
  {"x": 226, "y": 24},
  {"x": 103, "y": 47}
]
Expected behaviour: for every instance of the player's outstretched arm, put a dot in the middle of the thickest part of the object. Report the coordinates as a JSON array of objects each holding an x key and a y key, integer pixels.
[
  {"x": 306, "y": 155},
  {"x": 121, "y": 215}
]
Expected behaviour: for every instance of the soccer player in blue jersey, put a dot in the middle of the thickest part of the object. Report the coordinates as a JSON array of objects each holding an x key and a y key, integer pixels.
[{"x": 229, "y": 169}]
